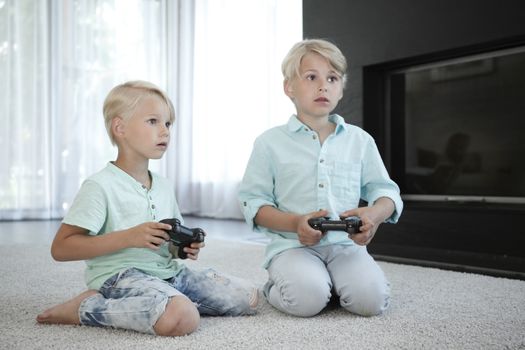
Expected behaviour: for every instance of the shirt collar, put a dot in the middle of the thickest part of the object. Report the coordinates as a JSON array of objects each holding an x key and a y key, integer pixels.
[
  {"x": 128, "y": 178},
  {"x": 294, "y": 124}
]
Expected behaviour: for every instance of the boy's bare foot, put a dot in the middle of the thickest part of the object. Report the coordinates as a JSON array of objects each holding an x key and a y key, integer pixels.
[{"x": 65, "y": 313}]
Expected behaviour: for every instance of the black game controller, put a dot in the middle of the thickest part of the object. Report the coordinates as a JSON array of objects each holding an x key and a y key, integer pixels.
[
  {"x": 182, "y": 236},
  {"x": 350, "y": 224}
]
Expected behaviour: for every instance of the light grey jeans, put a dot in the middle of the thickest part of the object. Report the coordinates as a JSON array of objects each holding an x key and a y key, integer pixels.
[{"x": 301, "y": 280}]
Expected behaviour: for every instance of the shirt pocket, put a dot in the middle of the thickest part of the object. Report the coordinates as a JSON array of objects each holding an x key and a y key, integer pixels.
[{"x": 346, "y": 182}]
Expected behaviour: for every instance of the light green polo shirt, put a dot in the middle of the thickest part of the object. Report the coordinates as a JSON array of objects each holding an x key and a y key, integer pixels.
[{"x": 111, "y": 200}]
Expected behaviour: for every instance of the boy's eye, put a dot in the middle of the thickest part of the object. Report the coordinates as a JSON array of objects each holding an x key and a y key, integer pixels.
[
  {"x": 310, "y": 77},
  {"x": 333, "y": 79},
  {"x": 152, "y": 121},
  {"x": 168, "y": 124}
]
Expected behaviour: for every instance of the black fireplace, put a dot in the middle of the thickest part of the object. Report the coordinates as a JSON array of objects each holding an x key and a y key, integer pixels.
[
  {"x": 452, "y": 131},
  {"x": 457, "y": 127},
  {"x": 439, "y": 85}
]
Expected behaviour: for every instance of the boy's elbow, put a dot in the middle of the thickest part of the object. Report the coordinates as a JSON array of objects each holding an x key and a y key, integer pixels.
[{"x": 57, "y": 254}]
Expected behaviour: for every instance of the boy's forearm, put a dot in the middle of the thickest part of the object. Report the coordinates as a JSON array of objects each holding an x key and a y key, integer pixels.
[
  {"x": 383, "y": 208},
  {"x": 274, "y": 219},
  {"x": 83, "y": 247}
]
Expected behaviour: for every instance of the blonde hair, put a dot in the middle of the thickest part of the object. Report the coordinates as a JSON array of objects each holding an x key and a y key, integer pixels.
[
  {"x": 122, "y": 100},
  {"x": 292, "y": 61}
]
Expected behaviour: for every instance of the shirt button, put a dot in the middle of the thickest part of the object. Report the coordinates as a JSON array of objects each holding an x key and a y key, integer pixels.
[
  {"x": 321, "y": 185},
  {"x": 321, "y": 160},
  {"x": 153, "y": 206},
  {"x": 314, "y": 137}
]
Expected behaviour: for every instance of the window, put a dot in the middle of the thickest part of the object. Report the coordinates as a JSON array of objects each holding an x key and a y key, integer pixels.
[
  {"x": 60, "y": 59},
  {"x": 218, "y": 60}
]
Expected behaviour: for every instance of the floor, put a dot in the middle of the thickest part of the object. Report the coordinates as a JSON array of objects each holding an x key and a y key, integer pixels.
[{"x": 43, "y": 231}]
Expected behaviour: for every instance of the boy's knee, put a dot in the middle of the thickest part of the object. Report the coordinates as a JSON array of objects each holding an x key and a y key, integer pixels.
[
  {"x": 367, "y": 307},
  {"x": 307, "y": 309},
  {"x": 371, "y": 302},
  {"x": 180, "y": 317},
  {"x": 304, "y": 302}
]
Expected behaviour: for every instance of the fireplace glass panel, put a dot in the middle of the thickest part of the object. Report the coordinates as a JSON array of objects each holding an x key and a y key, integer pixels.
[{"x": 463, "y": 127}]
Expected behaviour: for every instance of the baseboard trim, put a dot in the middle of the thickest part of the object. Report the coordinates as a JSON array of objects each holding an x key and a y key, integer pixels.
[{"x": 453, "y": 267}]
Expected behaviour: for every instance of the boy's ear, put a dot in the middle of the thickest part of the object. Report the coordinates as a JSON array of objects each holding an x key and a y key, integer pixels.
[
  {"x": 117, "y": 126},
  {"x": 288, "y": 88}
]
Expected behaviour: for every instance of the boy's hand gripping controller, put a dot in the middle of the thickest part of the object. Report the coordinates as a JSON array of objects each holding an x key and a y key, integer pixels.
[
  {"x": 182, "y": 236},
  {"x": 350, "y": 224}
]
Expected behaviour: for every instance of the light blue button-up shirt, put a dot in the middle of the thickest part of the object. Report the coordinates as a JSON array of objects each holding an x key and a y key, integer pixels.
[{"x": 290, "y": 170}]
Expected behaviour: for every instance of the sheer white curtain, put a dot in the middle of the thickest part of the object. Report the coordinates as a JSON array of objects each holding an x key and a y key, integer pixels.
[
  {"x": 25, "y": 160},
  {"x": 236, "y": 93},
  {"x": 98, "y": 44},
  {"x": 219, "y": 60},
  {"x": 58, "y": 60}
]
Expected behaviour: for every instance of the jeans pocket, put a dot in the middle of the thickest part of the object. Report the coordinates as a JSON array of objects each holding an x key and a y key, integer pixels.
[{"x": 110, "y": 288}]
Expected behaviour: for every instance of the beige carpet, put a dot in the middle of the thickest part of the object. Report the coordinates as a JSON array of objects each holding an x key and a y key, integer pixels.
[{"x": 430, "y": 309}]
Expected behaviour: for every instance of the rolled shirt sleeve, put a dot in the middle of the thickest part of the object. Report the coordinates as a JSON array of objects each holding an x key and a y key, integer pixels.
[
  {"x": 376, "y": 183},
  {"x": 256, "y": 187}
]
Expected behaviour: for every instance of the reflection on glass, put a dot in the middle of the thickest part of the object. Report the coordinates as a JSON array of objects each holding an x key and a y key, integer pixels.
[{"x": 463, "y": 126}]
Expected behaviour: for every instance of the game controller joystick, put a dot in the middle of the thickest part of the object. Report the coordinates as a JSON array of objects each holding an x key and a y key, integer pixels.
[
  {"x": 182, "y": 236},
  {"x": 350, "y": 224}
]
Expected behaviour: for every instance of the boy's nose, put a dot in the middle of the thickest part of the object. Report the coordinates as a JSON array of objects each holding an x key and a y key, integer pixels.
[
  {"x": 323, "y": 89},
  {"x": 165, "y": 130}
]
